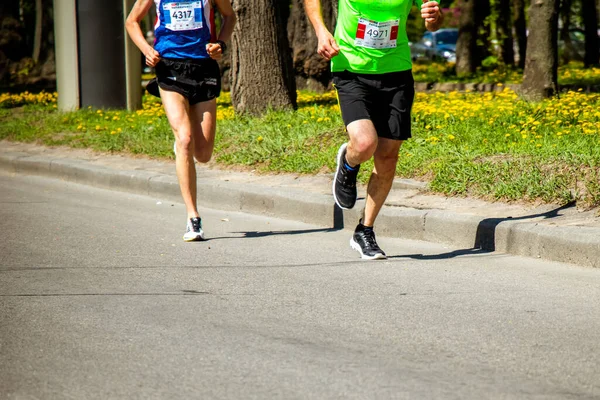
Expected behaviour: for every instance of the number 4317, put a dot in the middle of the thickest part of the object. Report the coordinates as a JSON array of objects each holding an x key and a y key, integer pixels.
[{"x": 182, "y": 14}]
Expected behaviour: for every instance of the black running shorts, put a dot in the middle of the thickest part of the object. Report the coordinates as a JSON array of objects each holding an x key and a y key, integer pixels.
[
  {"x": 385, "y": 99},
  {"x": 196, "y": 80}
]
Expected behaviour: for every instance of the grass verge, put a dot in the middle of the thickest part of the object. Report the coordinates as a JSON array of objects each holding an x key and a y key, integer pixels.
[{"x": 491, "y": 146}]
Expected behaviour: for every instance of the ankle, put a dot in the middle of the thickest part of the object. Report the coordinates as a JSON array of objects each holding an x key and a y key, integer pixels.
[
  {"x": 362, "y": 227},
  {"x": 350, "y": 167}
]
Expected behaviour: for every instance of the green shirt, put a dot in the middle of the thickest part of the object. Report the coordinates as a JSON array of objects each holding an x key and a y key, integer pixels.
[{"x": 372, "y": 36}]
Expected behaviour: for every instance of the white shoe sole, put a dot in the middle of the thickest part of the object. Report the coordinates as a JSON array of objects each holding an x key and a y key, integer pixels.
[
  {"x": 339, "y": 165},
  {"x": 356, "y": 247},
  {"x": 194, "y": 236}
]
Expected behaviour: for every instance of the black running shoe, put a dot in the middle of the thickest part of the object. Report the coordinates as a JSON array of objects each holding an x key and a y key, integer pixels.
[
  {"x": 193, "y": 230},
  {"x": 364, "y": 242},
  {"x": 344, "y": 182}
]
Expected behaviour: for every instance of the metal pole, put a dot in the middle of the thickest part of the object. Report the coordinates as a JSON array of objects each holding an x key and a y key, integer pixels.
[
  {"x": 133, "y": 74},
  {"x": 67, "y": 66}
]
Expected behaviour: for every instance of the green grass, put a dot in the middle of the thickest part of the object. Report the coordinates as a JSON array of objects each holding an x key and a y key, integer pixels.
[
  {"x": 490, "y": 146},
  {"x": 569, "y": 74}
]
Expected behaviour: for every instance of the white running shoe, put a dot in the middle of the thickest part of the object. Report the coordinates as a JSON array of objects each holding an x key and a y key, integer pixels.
[{"x": 193, "y": 231}]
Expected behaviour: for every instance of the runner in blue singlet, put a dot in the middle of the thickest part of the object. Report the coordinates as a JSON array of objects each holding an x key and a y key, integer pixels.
[{"x": 188, "y": 80}]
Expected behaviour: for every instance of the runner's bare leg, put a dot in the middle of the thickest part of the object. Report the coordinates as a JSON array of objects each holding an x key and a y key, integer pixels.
[
  {"x": 382, "y": 178},
  {"x": 178, "y": 113},
  {"x": 203, "y": 117}
]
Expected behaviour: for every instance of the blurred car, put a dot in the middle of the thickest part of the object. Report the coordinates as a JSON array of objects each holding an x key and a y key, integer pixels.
[{"x": 437, "y": 46}]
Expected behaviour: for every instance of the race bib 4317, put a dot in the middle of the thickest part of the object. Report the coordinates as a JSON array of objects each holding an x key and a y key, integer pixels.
[{"x": 183, "y": 15}]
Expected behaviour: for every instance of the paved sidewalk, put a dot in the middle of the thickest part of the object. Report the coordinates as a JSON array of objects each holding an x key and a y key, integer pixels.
[{"x": 556, "y": 233}]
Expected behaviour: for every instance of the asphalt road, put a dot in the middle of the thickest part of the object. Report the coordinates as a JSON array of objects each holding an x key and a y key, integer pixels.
[{"x": 101, "y": 299}]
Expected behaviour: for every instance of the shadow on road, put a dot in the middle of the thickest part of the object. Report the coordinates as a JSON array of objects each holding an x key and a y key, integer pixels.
[
  {"x": 442, "y": 256},
  {"x": 485, "y": 237},
  {"x": 257, "y": 234}
]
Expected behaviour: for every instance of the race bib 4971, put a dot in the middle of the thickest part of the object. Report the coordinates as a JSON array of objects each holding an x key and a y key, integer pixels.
[{"x": 377, "y": 35}]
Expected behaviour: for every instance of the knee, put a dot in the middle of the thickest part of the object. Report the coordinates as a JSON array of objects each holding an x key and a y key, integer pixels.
[
  {"x": 365, "y": 146},
  {"x": 183, "y": 142},
  {"x": 386, "y": 164}
]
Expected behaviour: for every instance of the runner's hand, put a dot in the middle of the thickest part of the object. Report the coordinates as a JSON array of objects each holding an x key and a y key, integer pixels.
[
  {"x": 214, "y": 50},
  {"x": 152, "y": 57},
  {"x": 430, "y": 11},
  {"x": 328, "y": 48}
]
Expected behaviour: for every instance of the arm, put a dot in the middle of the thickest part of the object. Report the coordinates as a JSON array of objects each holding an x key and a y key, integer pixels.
[
  {"x": 328, "y": 48},
  {"x": 214, "y": 49},
  {"x": 432, "y": 14},
  {"x": 139, "y": 10}
]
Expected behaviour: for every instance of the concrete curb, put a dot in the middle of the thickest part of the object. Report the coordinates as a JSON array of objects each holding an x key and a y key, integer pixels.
[{"x": 571, "y": 244}]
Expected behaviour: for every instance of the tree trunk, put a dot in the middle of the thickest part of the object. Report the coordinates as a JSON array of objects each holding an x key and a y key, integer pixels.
[
  {"x": 568, "y": 52},
  {"x": 520, "y": 27},
  {"x": 261, "y": 62},
  {"x": 483, "y": 9},
  {"x": 590, "y": 22},
  {"x": 504, "y": 32},
  {"x": 466, "y": 46},
  {"x": 541, "y": 63},
  {"x": 473, "y": 36},
  {"x": 37, "y": 35},
  {"x": 311, "y": 70}
]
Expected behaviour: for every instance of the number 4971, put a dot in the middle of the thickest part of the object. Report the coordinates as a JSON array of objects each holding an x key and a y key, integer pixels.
[{"x": 376, "y": 33}]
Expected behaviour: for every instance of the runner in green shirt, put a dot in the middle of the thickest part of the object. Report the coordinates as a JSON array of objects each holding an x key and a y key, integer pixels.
[{"x": 371, "y": 66}]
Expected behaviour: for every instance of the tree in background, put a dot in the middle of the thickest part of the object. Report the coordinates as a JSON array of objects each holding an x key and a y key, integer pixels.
[
  {"x": 311, "y": 70},
  {"x": 540, "y": 77},
  {"x": 37, "y": 36},
  {"x": 568, "y": 50},
  {"x": 483, "y": 22},
  {"x": 504, "y": 31},
  {"x": 27, "y": 44},
  {"x": 520, "y": 27},
  {"x": 262, "y": 76},
  {"x": 473, "y": 36},
  {"x": 590, "y": 22},
  {"x": 466, "y": 46}
]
